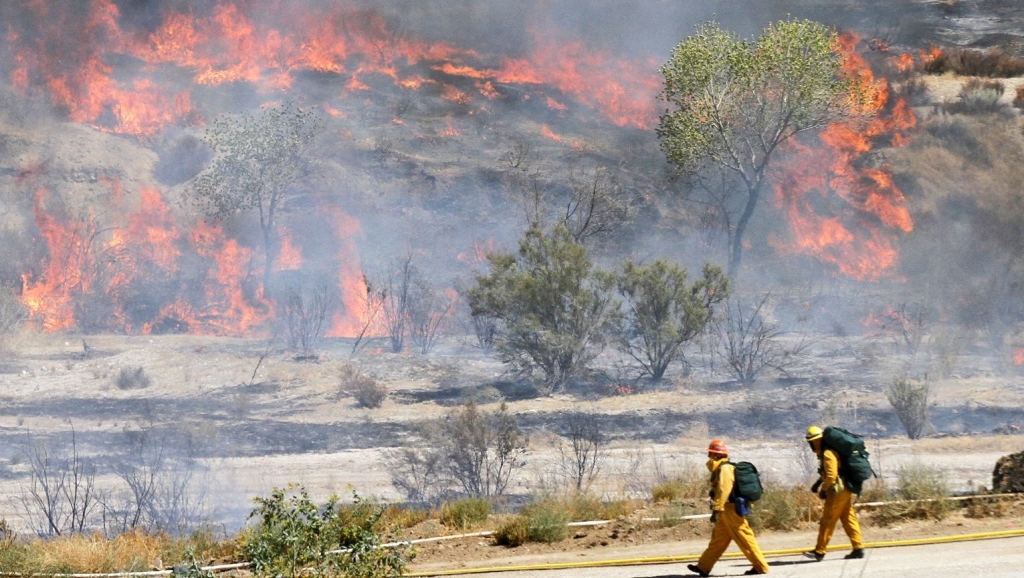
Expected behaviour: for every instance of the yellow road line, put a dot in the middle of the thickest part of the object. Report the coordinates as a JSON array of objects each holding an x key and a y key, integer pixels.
[{"x": 691, "y": 557}]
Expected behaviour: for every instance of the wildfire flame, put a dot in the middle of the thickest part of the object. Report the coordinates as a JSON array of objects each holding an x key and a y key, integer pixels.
[
  {"x": 860, "y": 243},
  {"x": 227, "y": 43}
]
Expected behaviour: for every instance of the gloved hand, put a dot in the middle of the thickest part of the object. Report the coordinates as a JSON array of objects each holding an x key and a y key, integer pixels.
[
  {"x": 816, "y": 486},
  {"x": 714, "y": 517}
]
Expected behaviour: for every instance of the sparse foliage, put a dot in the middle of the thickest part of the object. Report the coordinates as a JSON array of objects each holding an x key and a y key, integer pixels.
[
  {"x": 468, "y": 451},
  {"x": 261, "y": 160},
  {"x": 554, "y": 306},
  {"x": 582, "y": 449},
  {"x": 733, "y": 102},
  {"x": 909, "y": 399},
  {"x": 163, "y": 488},
  {"x": 595, "y": 207},
  {"x": 429, "y": 313},
  {"x": 365, "y": 389},
  {"x": 305, "y": 312},
  {"x": 664, "y": 313},
  {"x": 746, "y": 341},
  {"x": 61, "y": 497}
]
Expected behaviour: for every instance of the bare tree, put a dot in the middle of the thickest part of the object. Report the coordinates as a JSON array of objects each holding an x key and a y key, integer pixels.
[
  {"x": 373, "y": 305},
  {"x": 61, "y": 496},
  {"x": 581, "y": 451},
  {"x": 748, "y": 343},
  {"x": 905, "y": 325},
  {"x": 594, "y": 207},
  {"x": 468, "y": 451},
  {"x": 396, "y": 293},
  {"x": 429, "y": 311},
  {"x": 162, "y": 487},
  {"x": 305, "y": 312}
]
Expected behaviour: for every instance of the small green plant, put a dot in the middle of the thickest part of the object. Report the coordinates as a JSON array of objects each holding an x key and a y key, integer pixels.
[
  {"x": 132, "y": 378},
  {"x": 545, "y": 521},
  {"x": 464, "y": 513},
  {"x": 293, "y": 536}
]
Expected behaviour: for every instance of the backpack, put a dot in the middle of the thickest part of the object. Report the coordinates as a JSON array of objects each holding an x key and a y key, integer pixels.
[
  {"x": 854, "y": 467},
  {"x": 748, "y": 482}
]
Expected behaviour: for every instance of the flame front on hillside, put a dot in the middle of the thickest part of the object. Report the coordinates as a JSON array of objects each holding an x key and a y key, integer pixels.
[{"x": 859, "y": 242}]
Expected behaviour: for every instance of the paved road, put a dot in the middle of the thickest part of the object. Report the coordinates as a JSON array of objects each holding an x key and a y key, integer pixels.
[{"x": 995, "y": 558}]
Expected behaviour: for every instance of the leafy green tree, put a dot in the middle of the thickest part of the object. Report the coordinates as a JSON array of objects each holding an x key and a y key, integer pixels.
[
  {"x": 732, "y": 102},
  {"x": 261, "y": 160},
  {"x": 664, "y": 312},
  {"x": 554, "y": 307}
]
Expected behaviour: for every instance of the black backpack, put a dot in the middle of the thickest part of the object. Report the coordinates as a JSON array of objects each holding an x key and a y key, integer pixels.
[
  {"x": 747, "y": 483},
  {"x": 854, "y": 467}
]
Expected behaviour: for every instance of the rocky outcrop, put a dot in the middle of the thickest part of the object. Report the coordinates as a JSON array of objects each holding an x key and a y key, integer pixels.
[{"x": 1008, "y": 475}]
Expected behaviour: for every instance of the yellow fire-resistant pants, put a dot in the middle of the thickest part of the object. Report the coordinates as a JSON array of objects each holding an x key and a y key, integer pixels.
[
  {"x": 731, "y": 526},
  {"x": 838, "y": 508}
]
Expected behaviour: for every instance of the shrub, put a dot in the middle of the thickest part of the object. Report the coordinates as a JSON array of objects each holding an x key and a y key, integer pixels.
[
  {"x": 365, "y": 389},
  {"x": 980, "y": 97},
  {"x": 1018, "y": 98},
  {"x": 132, "y": 378},
  {"x": 685, "y": 486},
  {"x": 784, "y": 508},
  {"x": 919, "y": 489},
  {"x": 514, "y": 532},
  {"x": 464, "y": 513},
  {"x": 909, "y": 399},
  {"x": 547, "y": 523},
  {"x": 293, "y": 536}
]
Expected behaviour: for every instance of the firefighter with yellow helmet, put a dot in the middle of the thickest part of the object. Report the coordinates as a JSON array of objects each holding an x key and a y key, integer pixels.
[
  {"x": 729, "y": 525},
  {"x": 838, "y": 498}
]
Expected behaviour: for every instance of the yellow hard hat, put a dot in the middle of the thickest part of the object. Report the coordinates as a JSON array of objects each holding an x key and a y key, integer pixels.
[{"x": 813, "y": 433}]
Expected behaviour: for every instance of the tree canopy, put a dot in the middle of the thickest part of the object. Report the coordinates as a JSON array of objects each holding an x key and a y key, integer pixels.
[
  {"x": 732, "y": 102},
  {"x": 260, "y": 158}
]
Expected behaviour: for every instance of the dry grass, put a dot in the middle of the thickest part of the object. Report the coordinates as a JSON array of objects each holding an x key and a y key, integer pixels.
[{"x": 970, "y": 444}]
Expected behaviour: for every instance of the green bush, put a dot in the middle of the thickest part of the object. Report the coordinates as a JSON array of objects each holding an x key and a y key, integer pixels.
[
  {"x": 464, "y": 513},
  {"x": 545, "y": 521},
  {"x": 293, "y": 536}
]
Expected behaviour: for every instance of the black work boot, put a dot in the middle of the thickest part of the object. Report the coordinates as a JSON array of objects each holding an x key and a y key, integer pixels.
[
  {"x": 814, "y": 556},
  {"x": 696, "y": 568},
  {"x": 753, "y": 572},
  {"x": 857, "y": 554}
]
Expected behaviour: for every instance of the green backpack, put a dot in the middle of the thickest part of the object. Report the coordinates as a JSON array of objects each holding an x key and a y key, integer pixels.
[
  {"x": 747, "y": 483},
  {"x": 854, "y": 467}
]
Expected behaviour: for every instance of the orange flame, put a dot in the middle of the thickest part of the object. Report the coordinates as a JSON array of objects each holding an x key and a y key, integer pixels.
[{"x": 861, "y": 245}]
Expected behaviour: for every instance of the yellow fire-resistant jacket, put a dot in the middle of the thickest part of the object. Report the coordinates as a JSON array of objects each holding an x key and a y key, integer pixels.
[
  {"x": 829, "y": 471},
  {"x": 722, "y": 480}
]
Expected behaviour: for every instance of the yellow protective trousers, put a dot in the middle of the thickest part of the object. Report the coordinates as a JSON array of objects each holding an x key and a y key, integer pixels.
[
  {"x": 838, "y": 508},
  {"x": 731, "y": 526}
]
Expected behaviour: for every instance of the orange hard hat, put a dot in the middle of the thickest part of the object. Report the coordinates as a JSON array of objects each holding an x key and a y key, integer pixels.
[{"x": 717, "y": 447}]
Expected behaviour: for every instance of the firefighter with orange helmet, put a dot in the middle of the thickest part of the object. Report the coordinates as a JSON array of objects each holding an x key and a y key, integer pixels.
[
  {"x": 729, "y": 526},
  {"x": 838, "y": 498}
]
